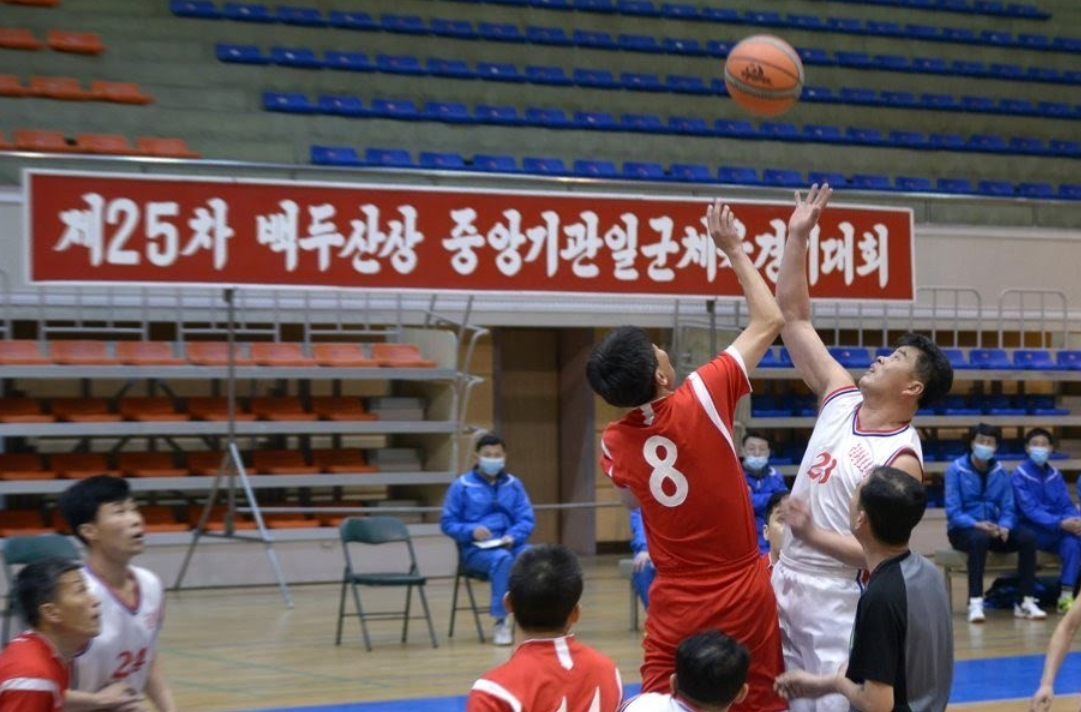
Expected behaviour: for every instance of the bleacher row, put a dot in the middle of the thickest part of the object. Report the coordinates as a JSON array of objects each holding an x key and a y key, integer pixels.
[
  {"x": 414, "y": 24},
  {"x": 60, "y": 40},
  {"x": 770, "y": 406},
  {"x": 40, "y": 141},
  {"x": 71, "y": 89},
  {"x": 974, "y": 358},
  {"x": 170, "y": 410}
]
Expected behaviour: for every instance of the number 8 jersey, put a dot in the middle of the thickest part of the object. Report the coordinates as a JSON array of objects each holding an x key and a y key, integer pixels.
[
  {"x": 129, "y": 635},
  {"x": 678, "y": 457}
]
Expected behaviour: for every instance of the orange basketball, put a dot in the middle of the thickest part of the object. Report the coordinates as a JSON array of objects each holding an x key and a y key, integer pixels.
[{"x": 764, "y": 75}]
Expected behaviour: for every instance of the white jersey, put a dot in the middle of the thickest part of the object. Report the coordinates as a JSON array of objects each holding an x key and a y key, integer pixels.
[
  {"x": 839, "y": 455},
  {"x": 129, "y": 636},
  {"x": 654, "y": 702}
]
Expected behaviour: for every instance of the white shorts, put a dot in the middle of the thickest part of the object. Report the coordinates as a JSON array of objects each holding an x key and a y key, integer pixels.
[{"x": 817, "y": 612}]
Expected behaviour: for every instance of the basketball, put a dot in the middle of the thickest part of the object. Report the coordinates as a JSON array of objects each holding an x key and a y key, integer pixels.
[{"x": 764, "y": 75}]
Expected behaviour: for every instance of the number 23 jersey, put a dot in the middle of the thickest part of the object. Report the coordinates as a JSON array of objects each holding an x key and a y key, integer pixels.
[
  {"x": 678, "y": 457},
  {"x": 129, "y": 635}
]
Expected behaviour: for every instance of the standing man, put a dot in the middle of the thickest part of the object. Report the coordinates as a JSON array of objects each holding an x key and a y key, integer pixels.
[
  {"x": 488, "y": 513},
  {"x": 858, "y": 428},
  {"x": 122, "y": 665},
  {"x": 1044, "y": 505},
  {"x": 64, "y": 616},
  {"x": 902, "y": 642},
  {"x": 763, "y": 480},
  {"x": 980, "y": 516},
  {"x": 673, "y": 454}
]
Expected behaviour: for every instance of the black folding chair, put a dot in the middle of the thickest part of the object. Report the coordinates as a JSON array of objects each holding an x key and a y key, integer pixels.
[{"x": 468, "y": 577}]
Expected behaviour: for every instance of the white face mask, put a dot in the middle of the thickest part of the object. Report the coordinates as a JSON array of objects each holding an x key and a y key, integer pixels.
[
  {"x": 983, "y": 452},
  {"x": 1039, "y": 455},
  {"x": 491, "y": 466}
]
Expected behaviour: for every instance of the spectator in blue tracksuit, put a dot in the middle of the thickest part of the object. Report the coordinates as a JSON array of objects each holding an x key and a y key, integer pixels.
[
  {"x": 644, "y": 571},
  {"x": 763, "y": 480},
  {"x": 980, "y": 516},
  {"x": 485, "y": 505},
  {"x": 1044, "y": 505}
]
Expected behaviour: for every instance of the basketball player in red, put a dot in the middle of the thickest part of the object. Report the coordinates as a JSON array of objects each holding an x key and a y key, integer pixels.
[{"x": 673, "y": 454}]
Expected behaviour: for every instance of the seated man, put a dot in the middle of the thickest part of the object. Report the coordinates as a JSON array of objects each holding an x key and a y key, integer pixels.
[
  {"x": 1045, "y": 507},
  {"x": 710, "y": 676},
  {"x": 773, "y": 530},
  {"x": 550, "y": 670},
  {"x": 763, "y": 480},
  {"x": 488, "y": 513},
  {"x": 63, "y": 616},
  {"x": 644, "y": 570},
  {"x": 980, "y": 515}
]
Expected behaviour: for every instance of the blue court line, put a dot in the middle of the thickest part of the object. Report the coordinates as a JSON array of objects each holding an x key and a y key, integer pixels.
[{"x": 982, "y": 680}]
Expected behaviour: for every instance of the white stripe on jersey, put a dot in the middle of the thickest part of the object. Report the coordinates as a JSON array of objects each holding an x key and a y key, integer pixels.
[
  {"x": 702, "y": 393},
  {"x": 564, "y": 654},
  {"x": 30, "y": 684},
  {"x": 496, "y": 690}
]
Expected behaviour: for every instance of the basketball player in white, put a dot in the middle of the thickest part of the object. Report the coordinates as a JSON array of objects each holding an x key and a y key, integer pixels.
[
  {"x": 818, "y": 578},
  {"x": 120, "y": 667}
]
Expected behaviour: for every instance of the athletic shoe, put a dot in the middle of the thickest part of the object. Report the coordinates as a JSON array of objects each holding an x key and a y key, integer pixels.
[
  {"x": 975, "y": 610},
  {"x": 1064, "y": 602},
  {"x": 502, "y": 633},
  {"x": 1027, "y": 608}
]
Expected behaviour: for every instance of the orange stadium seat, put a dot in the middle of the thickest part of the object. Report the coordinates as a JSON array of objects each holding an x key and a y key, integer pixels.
[
  {"x": 42, "y": 141},
  {"x": 84, "y": 410},
  {"x": 334, "y": 519},
  {"x": 281, "y": 409},
  {"x": 275, "y": 354},
  {"x": 65, "y": 88},
  {"x": 289, "y": 521},
  {"x": 119, "y": 92},
  {"x": 22, "y": 410},
  {"x": 4, "y": 145},
  {"x": 23, "y": 522},
  {"x": 10, "y": 85},
  {"x": 147, "y": 353},
  {"x": 165, "y": 147},
  {"x": 148, "y": 464},
  {"x": 216, "y": 523},
  {"x": 215, "y": 353},
  {"x": 22, "y": 352},
  {"x": 35, "y": 3},
  {"x": 77, "y": 42},
  {"x": 80, "y": 465},
  {"x": 215, "y": 408},
  {"x": 281, "y": 462},
  {"x": 23, "y": 466},
  {"x": 331, "y": 408},
  {"x": 342, "y": 461},
  {"x": 342, "y": 356},
  {"x": 105, "y": 144},
  {"x": 151, "y": 410},
  {"x": 19, "y": 38},
  {"x": 204, "y": 463},
  {"x": 400, "y": 356},
  {"x": 160, "y": 519},
  {"x": 82, "y": 353}
]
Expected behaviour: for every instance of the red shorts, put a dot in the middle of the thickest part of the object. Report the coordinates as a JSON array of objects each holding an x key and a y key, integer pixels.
[{"x": 740, "y": 604}]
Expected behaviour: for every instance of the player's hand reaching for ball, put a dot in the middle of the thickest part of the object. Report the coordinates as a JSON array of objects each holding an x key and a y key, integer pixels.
[
  {"x": 806, "y": 214},
  {"x": 722, "y": 228}
]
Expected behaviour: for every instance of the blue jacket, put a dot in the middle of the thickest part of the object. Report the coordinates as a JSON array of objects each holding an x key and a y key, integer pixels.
[
  {"x": 969, "y": 501},
  {"x": 503, "y": 508},
  {"x": 762, "y": 488},
  {"x": 1042, "y": 499},
  {"x": 638, "y": 532}
]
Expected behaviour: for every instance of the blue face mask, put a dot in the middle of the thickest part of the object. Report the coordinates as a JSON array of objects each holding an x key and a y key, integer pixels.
[
  {"x": 983, "y": 452},
  {"x": 756, "y": 462},
  {"x": 491, "y": 466},
  {"x": 1039, "y": 455}
]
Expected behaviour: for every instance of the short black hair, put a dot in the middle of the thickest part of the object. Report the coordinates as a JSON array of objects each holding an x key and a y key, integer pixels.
[
  {"x": 895, "y": 502},
  {"x": 621, "y": 367},
  {"x": 488, "y": 439},
  {"x": 1036, "y": 432},
  {"x": 711, "y": 668},
  {"x": 38, "y": 583},
  {"x": 80, "y": 502},
  {"x": 754, "y": 434},
  {"x": 775, "y": 500},
  {"x": 545, "y": 585},
  {"x": 985, "y": 429},
  {"x": 933, "y": 369}
]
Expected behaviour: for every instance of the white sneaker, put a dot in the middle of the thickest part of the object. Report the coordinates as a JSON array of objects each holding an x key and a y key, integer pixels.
[
  {"x": 502, "y": 634},
  {"x": 1027, "y": 608},
  {"x": 975, "y": 610}
]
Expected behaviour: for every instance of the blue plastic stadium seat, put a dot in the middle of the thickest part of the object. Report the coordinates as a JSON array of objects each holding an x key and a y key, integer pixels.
[
  {"x": 959, "y": 34},
  {"x": 335, "y": 156},
  {"x": 1064, "y": 147},
  {"x": 1043, "y": 404},
  {"x": 347, "y": 61},
  {"x": 938, "y": 101},
  {"x": 500, "y": 32},
  {"x": 988, "y": 142},
  {"x": 977, "y": 103},
  {"x": 1007, "y": 71},
  {"x": 450, "y": 112},
  {"x": 344, "y": 105},
  {"x": 907, "y": 139},
  {"x": 930, "y": 65},
  {"x": 641, "y": 8},
  {"x": 686, "y": 85},
  {"x": 637, "y": 81},
  {"x": 957, "y": 358},
  {"x": 1036, "y": 190},
  {"x": 596, "y": 40},
  {"x": 404, "y": 24},
  {"x": 858, "y": 60},
  {"x": 455, "y": 68},
  {"x": 599, "y": 120},
  {"x": 398, "y": 64},
  {"x": 643, "y": 170},
  {"x": 689, "y": 125},
  {"x": 968, "y": 68},
  {"x": 1066, "y": 44},
  {"x": 859, "y": 95},
  {"x": 498, "y": 114},
  {"x": 241, "y": 54},
  {"x": 596, "y": 78},
  {"x": 719, "y": 48},
  {"x": 726, "y": 15},
  {"x": 948, "y": 142},
  {"x": 646, "y": 123},
  {"x": 682, "y": 45},
  {"x": 499, "y": 71},
  {"x": 690, "y": 173},
  {"x": 1018, "y": 106},
  {"x": 806, "y": 22},
  {"x": 835, "y": 180},
  {"x": 1043, "y": 74},
  {"x": 822, "y": 95},
  {"x": 595, "y": 169},
  {"x": 768, "y": 406},
  {"x": 548, "y": 36},
  {"x": 396, "y": 109},
  {"x": 865, "y": 181},
  {"x": 1002, "y": 405},
  {"x": 892, "y": 62},
  {"x": 202, "y": 9},
  {"x": 295, "y": 57},
  {"x": 813, "y": 55},
  {"x": 595, "y": 5},
  {"x": 544, "y": 166},
  {"x": 679, "y": 11},
  {"x": 960, "y": 186},
  {"x": 552, "y": 4},
  {"x": 302, "y": 16},
  {"x": 996, "y": 188},
  {"x": 850, "y": 357},
  {"x": 1038, "y": 359},
  {"x": 1069, "y": 191},
  {"x": 823, "y": 134},
  {"x": 989, "y": 359},
  {"x": 904, "y": 99},
  {"x": 921, "y": 32},
  {"x": 782, "y": 178},
  {"x": 461, "y": 29},
  {"x": 246, "y": 12},
  {"x": 443, "y": 161},
  {"x": 738, "y": 174},
  {"x": 734, "y": 128},
  {"x": 639, "y": 43},
  {"x": 389, "y": 157},
  {"x": 957, "y": 405},
  {"x": 996, "y": 37},
  {"x": 553, "y": 76},
  {"x": 289, "y": 103},
  {"x": 360, "y": 21},
  {"x": 513, "y": 3},
  {"x": 912, "y": 184},
  {"x": 549, "y": 118},
  {"x": 763, "y": 18},
  {"x": 885, "y": 29},
  {"x": 779, "y": 131},
  {"x": 494, "y": 163},
  {"x": 1069, "y": 359}
]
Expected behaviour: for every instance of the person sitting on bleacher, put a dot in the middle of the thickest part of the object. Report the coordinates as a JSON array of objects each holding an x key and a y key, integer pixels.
[
  {"x": 488, "y": 513},
  {"x": 644, "y": 570},
  {"x": 1044, "y": 505},
  {"x": 763, "y": 481},
  {"x": 981, "y": 516}
]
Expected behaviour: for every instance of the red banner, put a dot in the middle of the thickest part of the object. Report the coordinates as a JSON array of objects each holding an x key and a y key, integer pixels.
[{"x": 110, "y": 228}]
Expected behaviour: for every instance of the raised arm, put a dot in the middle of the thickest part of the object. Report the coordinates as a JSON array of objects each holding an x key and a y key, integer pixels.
[
  {"x": 816, "y": 367},
  {"x": 1056, "y": 653},
  {"x": 766, "y": 320}
]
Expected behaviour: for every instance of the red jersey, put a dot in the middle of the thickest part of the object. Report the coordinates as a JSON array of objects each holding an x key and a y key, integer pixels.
[
  {"x": 33, "y": 676},
  {"x": 549, "y": 675}
]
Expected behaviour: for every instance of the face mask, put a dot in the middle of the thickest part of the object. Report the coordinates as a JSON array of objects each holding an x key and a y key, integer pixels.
[
  {"x": 983, "y": 452},
  {"x": 491, "y": 466},
  {"x": 1039, "y": 455},
  {"x": 756, "y": 462}
]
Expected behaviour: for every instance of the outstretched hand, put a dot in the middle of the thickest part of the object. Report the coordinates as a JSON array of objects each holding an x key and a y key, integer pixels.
[
  {"x": 722, "y": 228},
  {"x": 1041, "y": 701},
  {"x": 805, "y": 216}
]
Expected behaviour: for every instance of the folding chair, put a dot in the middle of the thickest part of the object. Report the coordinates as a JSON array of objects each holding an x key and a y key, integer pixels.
[
  {"x": 468, "y": 576},
  {"x": 22, "y": 550},
  {"x": 375, "y": 531}
]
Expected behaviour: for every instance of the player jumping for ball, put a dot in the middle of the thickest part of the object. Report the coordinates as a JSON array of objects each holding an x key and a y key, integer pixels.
[
  {"x": 859, "y": 427},
  {"x": 673, "y": 454}
]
